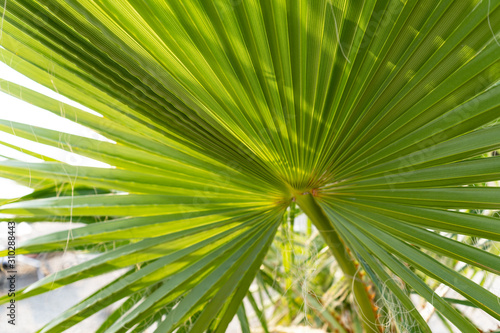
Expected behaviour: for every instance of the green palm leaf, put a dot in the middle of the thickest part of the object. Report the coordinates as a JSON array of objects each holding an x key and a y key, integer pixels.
[{"x": 371, "y": 115}]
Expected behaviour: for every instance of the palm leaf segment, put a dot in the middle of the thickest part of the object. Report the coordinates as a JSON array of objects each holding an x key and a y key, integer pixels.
[{"x": 367, "y": 113}]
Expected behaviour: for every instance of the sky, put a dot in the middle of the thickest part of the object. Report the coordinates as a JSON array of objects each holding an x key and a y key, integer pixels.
[{"x": 13, "y": 109}]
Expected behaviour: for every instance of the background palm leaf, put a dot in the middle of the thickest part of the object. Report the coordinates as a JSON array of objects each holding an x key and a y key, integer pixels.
[{"x": 219, "y": 115}]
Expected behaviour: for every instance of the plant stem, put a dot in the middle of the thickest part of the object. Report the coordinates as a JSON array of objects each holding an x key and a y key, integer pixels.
[
  {"x": 318, "y": 217},
  {"x": 288, "y": 256}
]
